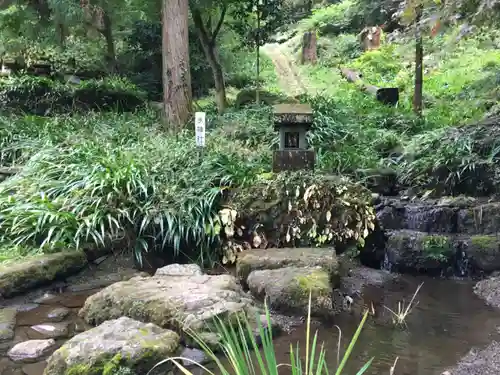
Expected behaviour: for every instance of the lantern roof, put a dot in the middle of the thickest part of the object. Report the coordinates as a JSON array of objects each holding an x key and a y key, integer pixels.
[{"x": 292, "y": 115}]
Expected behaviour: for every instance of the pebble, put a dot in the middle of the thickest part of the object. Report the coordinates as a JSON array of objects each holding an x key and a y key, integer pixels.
[
  {"x": 58, "y": 314},
  {"x": 31, "y": 351}
]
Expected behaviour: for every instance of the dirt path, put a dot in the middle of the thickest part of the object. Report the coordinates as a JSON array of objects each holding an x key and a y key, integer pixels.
[{"x": 290, "y": 81}]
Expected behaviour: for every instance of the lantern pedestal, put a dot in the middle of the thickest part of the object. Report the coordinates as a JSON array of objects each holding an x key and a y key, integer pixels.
[{"x": 293, "y": 160}]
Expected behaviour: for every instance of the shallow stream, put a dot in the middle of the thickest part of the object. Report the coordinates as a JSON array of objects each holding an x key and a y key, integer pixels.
[{"x": 448, "y": 320}]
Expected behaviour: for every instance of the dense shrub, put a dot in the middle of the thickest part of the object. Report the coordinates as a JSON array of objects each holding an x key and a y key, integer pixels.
[
  {"x": 100, "y": 177},
  {"x": 43, "y": 96}
]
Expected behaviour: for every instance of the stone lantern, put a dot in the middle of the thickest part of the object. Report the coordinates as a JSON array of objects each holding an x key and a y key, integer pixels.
[{"x": 293, "y": 121}]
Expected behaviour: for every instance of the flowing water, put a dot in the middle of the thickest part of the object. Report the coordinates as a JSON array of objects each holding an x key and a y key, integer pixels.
[{"x": 448, "y": 320}]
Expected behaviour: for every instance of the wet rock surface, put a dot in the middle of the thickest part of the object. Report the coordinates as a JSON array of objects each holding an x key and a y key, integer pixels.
[
  {"x": 479, "y": 362},
  {"x": 22, "y": 276},
  {"x": 123, "y": 342},
  {"x": 31, "y": 351},
  {"x": 489, "y": 290},
  {"x": 7, "y": 323},
  {"x": 445, "y": 215},
  {"x": 180, "y": 302},
  {"x": 267, "y": 259},
  {"x": 287, "y": 289},
  {"x": 52, "y": 330},
  {"x": 447, "y": 236},
  {"x": 58, "y": 314}
]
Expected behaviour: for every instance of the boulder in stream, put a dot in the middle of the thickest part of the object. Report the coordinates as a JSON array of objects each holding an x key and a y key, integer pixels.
[
  {"x": 123, "y": 343},
  {"x": 191, "y": 300},
  {"x": 19, "y": 277},
  {"x": 408, "y": 250},
  {"x": 268, "y": 259},
  {"x": 287, "y": 289}
]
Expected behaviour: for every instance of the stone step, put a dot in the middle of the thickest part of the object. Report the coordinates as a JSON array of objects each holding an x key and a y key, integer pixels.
[
  {"x": 458, "y": 254},
  {"x": 446, "y": 215}
]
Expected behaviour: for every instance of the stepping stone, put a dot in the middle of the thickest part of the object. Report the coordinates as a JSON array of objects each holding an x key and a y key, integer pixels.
[
  {"x": 58, "y": 314},
  {"x": 135, "y": 345},
  {"x": 191, "y": 300},
  {"x": 7, "y": 323},
  {"x": 52, "y": 330},
  {"x": 47, "y": 299},
  {"x": 31, "y": 351}
]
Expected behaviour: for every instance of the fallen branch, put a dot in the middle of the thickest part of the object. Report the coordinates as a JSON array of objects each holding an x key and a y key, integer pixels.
[{"x": 386, "y": 95}]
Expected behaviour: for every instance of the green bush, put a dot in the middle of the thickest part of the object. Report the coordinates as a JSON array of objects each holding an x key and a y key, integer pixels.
[{"x": 43, "y": 96}]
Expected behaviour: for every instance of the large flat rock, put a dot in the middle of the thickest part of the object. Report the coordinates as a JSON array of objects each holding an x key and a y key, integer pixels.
[
  {"x": 177, "y": 297},
  {"x": 268, "y": 259},
  {"x": 287, "y": 290},
  {"x": 19, "y": 277},
  {"x": 121, "y": 343}
]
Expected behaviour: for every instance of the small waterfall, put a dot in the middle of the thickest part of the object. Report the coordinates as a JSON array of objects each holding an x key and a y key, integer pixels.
[{"x": 386, "y": 265}]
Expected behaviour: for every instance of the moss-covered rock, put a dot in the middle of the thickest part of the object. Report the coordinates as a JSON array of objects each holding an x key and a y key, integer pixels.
[
  {"x": 20, "y": 276},
  {"x": 416, "y": 251},
  {"x": 172, "y": 299},
  {"x": 287, "y": 290},
  {"x": 114, "y": 346},
  {"x": 266, "y": 259},
  {"x": 296, "y": 209},
  {"x": 482, "y": 252}
]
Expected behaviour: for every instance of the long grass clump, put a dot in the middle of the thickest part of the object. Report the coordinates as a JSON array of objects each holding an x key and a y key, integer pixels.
[
  {"x": 240, "y": 354},
  {"x": 94, "y": 179}
]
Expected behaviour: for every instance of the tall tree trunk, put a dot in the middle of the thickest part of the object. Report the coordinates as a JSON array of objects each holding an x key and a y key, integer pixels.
[
  {"x": 419, "y": 68},
  {"x": 209, "y": 48},
  {"x": 177, "y": 95}
]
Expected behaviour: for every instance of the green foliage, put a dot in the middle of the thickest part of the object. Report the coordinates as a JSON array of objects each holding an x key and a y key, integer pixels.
[
  {"x": 41, "y": 96},
  {"x": 334, "y": 19},
  {"x": 96, "y": 178},
  {"x": 256, "y": 22},
  {"x": 454, "y": 161},
  {"x": 241, "y": 355}
]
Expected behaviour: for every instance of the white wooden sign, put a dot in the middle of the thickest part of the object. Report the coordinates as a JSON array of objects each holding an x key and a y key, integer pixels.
[{"x": 199, "y": 123}]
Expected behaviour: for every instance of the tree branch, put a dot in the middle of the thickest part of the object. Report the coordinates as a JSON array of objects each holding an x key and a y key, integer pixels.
[{"x": 219, "y": 23}]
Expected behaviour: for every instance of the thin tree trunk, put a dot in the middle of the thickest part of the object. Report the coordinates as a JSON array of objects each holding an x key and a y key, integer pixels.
[
  {"x": 209, "y": 48},
  {"x": 177, "y": 94},
  {"x": 257, "y": 59},
  {"x": 107, "y": 32},
  {"x": 419, "y": 68}
]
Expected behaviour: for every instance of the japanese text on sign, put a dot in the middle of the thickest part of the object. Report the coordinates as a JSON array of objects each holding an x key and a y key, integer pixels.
[{"x": 199, "y": 123}]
